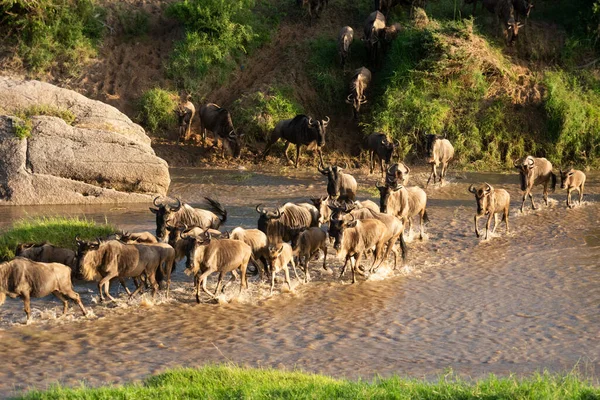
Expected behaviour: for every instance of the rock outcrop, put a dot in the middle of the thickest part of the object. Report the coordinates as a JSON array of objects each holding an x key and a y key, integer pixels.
[{"x": 103, "y": 157}]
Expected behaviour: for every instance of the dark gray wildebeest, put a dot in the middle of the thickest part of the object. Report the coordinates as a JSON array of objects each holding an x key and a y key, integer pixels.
[
  {"x": 218, "y": 120},
  {"x": 397, "y": 174},
  {"x": 314, "y": 7},
  {"x": 280, "y": 255},
  {"x": 345, "y": 38},
  {"x": 257, "y": 240},
  {"x": 104, "y": 260},
  {"x": 374, "y": 29},
  {"x": 46, "y": 253},
  {"x": 300, "y": 130},
  {"x": 309, "y": 243},
  {"x": 185, "y": 116},
  {"x": 24, "y": 278},
  {"x": 358, "y": 86},
  {"x": 285, "y": 223},
  {"x": 535, "y": 171},
  {"x": 184, "y": 214},
  {"x": 136, "y": 237},
  {"x": 507, "y": 17},
  {"x": 379, "y": 145},
  {"x": 353, "y": 238},
  {"x": 572, "y": 179},
  {"x": 438, "y": 151},
  {"x": 208, "y": 256},
  {"x": 340, "y": 185},
  {"x": 490, "y": 202}
]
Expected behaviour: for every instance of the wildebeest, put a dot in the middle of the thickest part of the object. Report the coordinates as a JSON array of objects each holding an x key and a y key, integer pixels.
[
  {"x": 339, "y": 184},
  {"x": 379, "y": 145},
  {"x": 572, "y": 179},
  {"x": 314, "y": 7},
  {"x": 185, "y": 116},
  {"x": 300, "y": 130},
  {"x": 490, "y": 202},
  {"x": 507, "y": 16},
  {"x": 257, "y": 240},
  {"x": 321, "y": 204},
  {"x": 46, "y": 253},
  {"x": 308, "y": 244},
  {"x": 394, "y": 200},
  {"x": 218, "y": 120},
  {"x": 358, "y": 86},
  {"x": 396, "y": 174},
  {"x": 353, "y": 238},
  {"x": 25, "y": 278},
  {"x": 285, "y": 223},
  {"x": 438, "y": 151},
  {"x": 184, "y": 214},
  {"x": 374, "y": 29},
  {"x": 280, "y": 255},
  {"x": 522, "y": 7},
  {"x": 207, "y": 256},
  {"x": 535, "y": 171},
  {"x": 136, "y": 237},
  {"x": 345, "y": 38},
  {"x": 371, "y": 205},
  {"x": 417, "y": 205}
]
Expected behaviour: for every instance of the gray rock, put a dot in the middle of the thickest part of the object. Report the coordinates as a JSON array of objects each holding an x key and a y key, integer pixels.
[{"x": 98, "y": 160}]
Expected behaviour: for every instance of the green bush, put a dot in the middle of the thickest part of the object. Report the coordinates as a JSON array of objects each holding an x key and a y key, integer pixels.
[
  {"x": 157, "y": 110},
  {"x": 324, "y": 71},
  {"x": 49, "y": 110},
  {"x": 48, "y": 33},
  {"x": 218, "y": 32},
  {"x": 23, "y": 128},
  {"x": 258, "y": 113},
  {"x": 60, "y": 231}
]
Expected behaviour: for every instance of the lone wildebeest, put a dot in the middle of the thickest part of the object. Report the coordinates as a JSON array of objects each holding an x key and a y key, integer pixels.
[
  {"x": 358, "y": 86},
  {"x": 185, "y": 116},
  {"x": 345, "y": 38},
  {"x": 572, "y": 179},
  {"x": 25, "y": 278},
  {"x": 438, "y": 150},
  {"x": 490, "y": 202},
  {"x": 535, "y": 171},
  {"x": 300, "y": 130},
  {"x": 379, "y": 145},
  {"x": 218, "y": 120},
  {"x": 339, "y": 184}
]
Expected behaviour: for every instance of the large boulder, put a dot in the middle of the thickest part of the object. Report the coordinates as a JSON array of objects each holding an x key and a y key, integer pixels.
[{"x": 103, "y": 157}]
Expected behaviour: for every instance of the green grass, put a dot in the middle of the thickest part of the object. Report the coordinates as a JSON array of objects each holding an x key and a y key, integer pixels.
[
  {"x": 52, "y": 34},
  {"x": 157, "y": 111},
  {"x": 23, "y": 128},
  {"x": 230, "y": 382},
  {"x": 325, "y": 73},
  {"x": 60, "y": 231}
]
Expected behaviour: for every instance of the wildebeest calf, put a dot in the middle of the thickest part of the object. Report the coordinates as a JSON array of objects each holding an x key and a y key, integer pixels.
[
  {"x": 24, "y": 278},
  {"x": 280, "y": 255},
  {"x": 572, "y": 179},
  {"x": 535, "y": 171},
  {"x": 490, "y": 202},
  {"x": 309, "y": 242}
]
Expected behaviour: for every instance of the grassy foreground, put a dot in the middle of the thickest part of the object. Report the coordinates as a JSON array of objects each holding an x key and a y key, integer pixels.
[
  {"x": 59, "y": 231},
  {"x": 231, "y": 382}
]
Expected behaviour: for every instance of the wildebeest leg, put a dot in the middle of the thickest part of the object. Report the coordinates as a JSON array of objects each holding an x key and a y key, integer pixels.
[
  {"x": 476, "y": 229},
  {"x": 27, "y": 306},
  {"x": 62, "y": 298},
  {"x": 344, "y": 266},
  {"x": 443, "y": 173},
  {"x": 569, "y": 197},
  {"x": 73, "y": 295},
  {"x": 202, "y": 279},
  {"x": 546, "y": 193},
  {"x": 285, "y": 150},
  {"x": 371, "y": 161},
  {"x": 234, "y": 276},
  {"x": 505, "y": 218},
  {"x": 294, "y": 266},
  {"x": 410, "y": 220},
  {"x": 433, "y": 174},
  {"x": 421, "y": 224},
  {"x": 123, "y": 283},
  {"x": 324, "y": 257},
  {"x": 495, "y": 223},
  {"x": 286, "y": 270},
  {"x": 244, "y": 278},
  {"x": 581, "y": 193},
  {"x": 487, "y": 225},
  {"x": 219, "y": 281},
  {"x": 105, "y": 282},
  {"x": 298, "y": 146},
  {"x": 272, "y": 282},
  {"x": 320, "y": 155},
  {"x": 355, "y": 267}
]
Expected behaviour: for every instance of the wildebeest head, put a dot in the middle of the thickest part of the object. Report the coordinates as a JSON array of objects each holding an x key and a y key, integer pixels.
[
  {"x": 234, "y": 140},
  {"x": 318, "y": 129},
  {"x": 384, "y": 195},
  {"x": 337, "y": 226},
  {"x": 564, "y": 176},
  {"x": 274, "y": 252},
  {"x": 83, "y": 248},
  {"x": 387, "y": 148},
  {"x": 525, "y": 169},
  {"x": 191, "y": 263},
  {"x": 164, "y": 214},
  {"x": 482, "y": 197},
  {"x": 265, "y": 216},
  {"x": 512, "y": 27},
  {"x": 397, "y": 174},
  {"x": 334, "y": 179},
  {"x": 391, "y": 32},
  {"x": 429, "y": 145},
  {"x": 321, "y": 203}
]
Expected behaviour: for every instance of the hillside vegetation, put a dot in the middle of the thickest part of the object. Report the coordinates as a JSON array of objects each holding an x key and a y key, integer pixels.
[{"x": 447, "y": 72}]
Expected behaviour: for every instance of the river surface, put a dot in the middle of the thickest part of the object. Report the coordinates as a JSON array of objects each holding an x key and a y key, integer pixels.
[{"x": 516, "y": 303}]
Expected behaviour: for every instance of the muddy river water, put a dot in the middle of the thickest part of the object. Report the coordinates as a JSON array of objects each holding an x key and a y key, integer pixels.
[{"x": 516, "y": 303}]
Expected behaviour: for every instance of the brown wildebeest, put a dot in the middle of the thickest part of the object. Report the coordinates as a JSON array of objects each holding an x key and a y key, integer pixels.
[
  {"x": 339, "y": 184},
  {"x": 207, "y": 256},
  {"x": 185, "y": 116},
  {"x": 308, "y": 244},
  {"x": 345, "y": 38},
  {"x": 257, "y": 240},
  {"x": 572, "y": 179},
  {"x": 358, "y": 86},
  {"x": 535, "y": 171},
  {"x": 47, "y": 253},
  {"x": 490, "y": 202},
  {"x": 417, "y": 205},
  {"x": 25, "y": 278},
  {"x": 438, "y": 150},
  {"x": 374, "y": 30},
  {"x": 136, "y": 237},
  {"x": 280, "y": 255}
]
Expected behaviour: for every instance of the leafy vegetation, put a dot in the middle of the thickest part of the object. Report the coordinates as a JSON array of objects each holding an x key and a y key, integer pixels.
[
  {"x": 227, "y": 382},
  {"x": 59, "y": 231},
  {"x": 52, "y": 33},
  {"x": 24, "y": 126},
  {"x": 157, "y": 110}
]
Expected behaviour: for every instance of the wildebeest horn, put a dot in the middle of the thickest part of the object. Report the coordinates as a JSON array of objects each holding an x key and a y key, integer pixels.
[
  {"x": 323, "y": 170},
  {"x": 232, "y": 134},
  {"x": 310, "y": 121},
  {"x": 488, "y": 188},
  {"x": 326, "y": 122},
  {"x": 516, "y": 163},
  {"x": 472, "y": 188},
  {"x": 277, "y": 213},
  {"x": 530, "y": 160},
  {"x": 396, "y": 143},
  {"x": 260, "y": 210},
  {"x": 345, "y": 165},
  {"x": 389, "y": 169},
  {"x": 407, "y": 169},
  {"x": 378, "y": 186},
  {"x": 154, "y": 201},
  {"x": 178, "y": 206},
  {"x": 349, "y": 98}
]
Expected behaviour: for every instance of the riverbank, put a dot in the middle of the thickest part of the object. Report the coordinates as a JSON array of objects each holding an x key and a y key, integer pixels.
[{"x": 224, "y": 382}]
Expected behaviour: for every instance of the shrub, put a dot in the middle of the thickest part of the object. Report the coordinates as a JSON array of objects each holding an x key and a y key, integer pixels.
[
  {"x": 157, "y": 110},
  {"x": 50, "y": 33},
  {"x": 324, "y": 71},
  {"x": 60, "y": 231}
]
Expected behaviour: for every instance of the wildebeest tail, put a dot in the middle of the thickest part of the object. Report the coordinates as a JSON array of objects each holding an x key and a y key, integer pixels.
[
  {"x": 403, "y": 246},
  {"x": 425, "y": 217},
  {"x": 217, "y": 208},
  {"x": 524, "y": 181},
  {"x": 553, "y": 184},
  {"x": 160, "y": 274}
]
